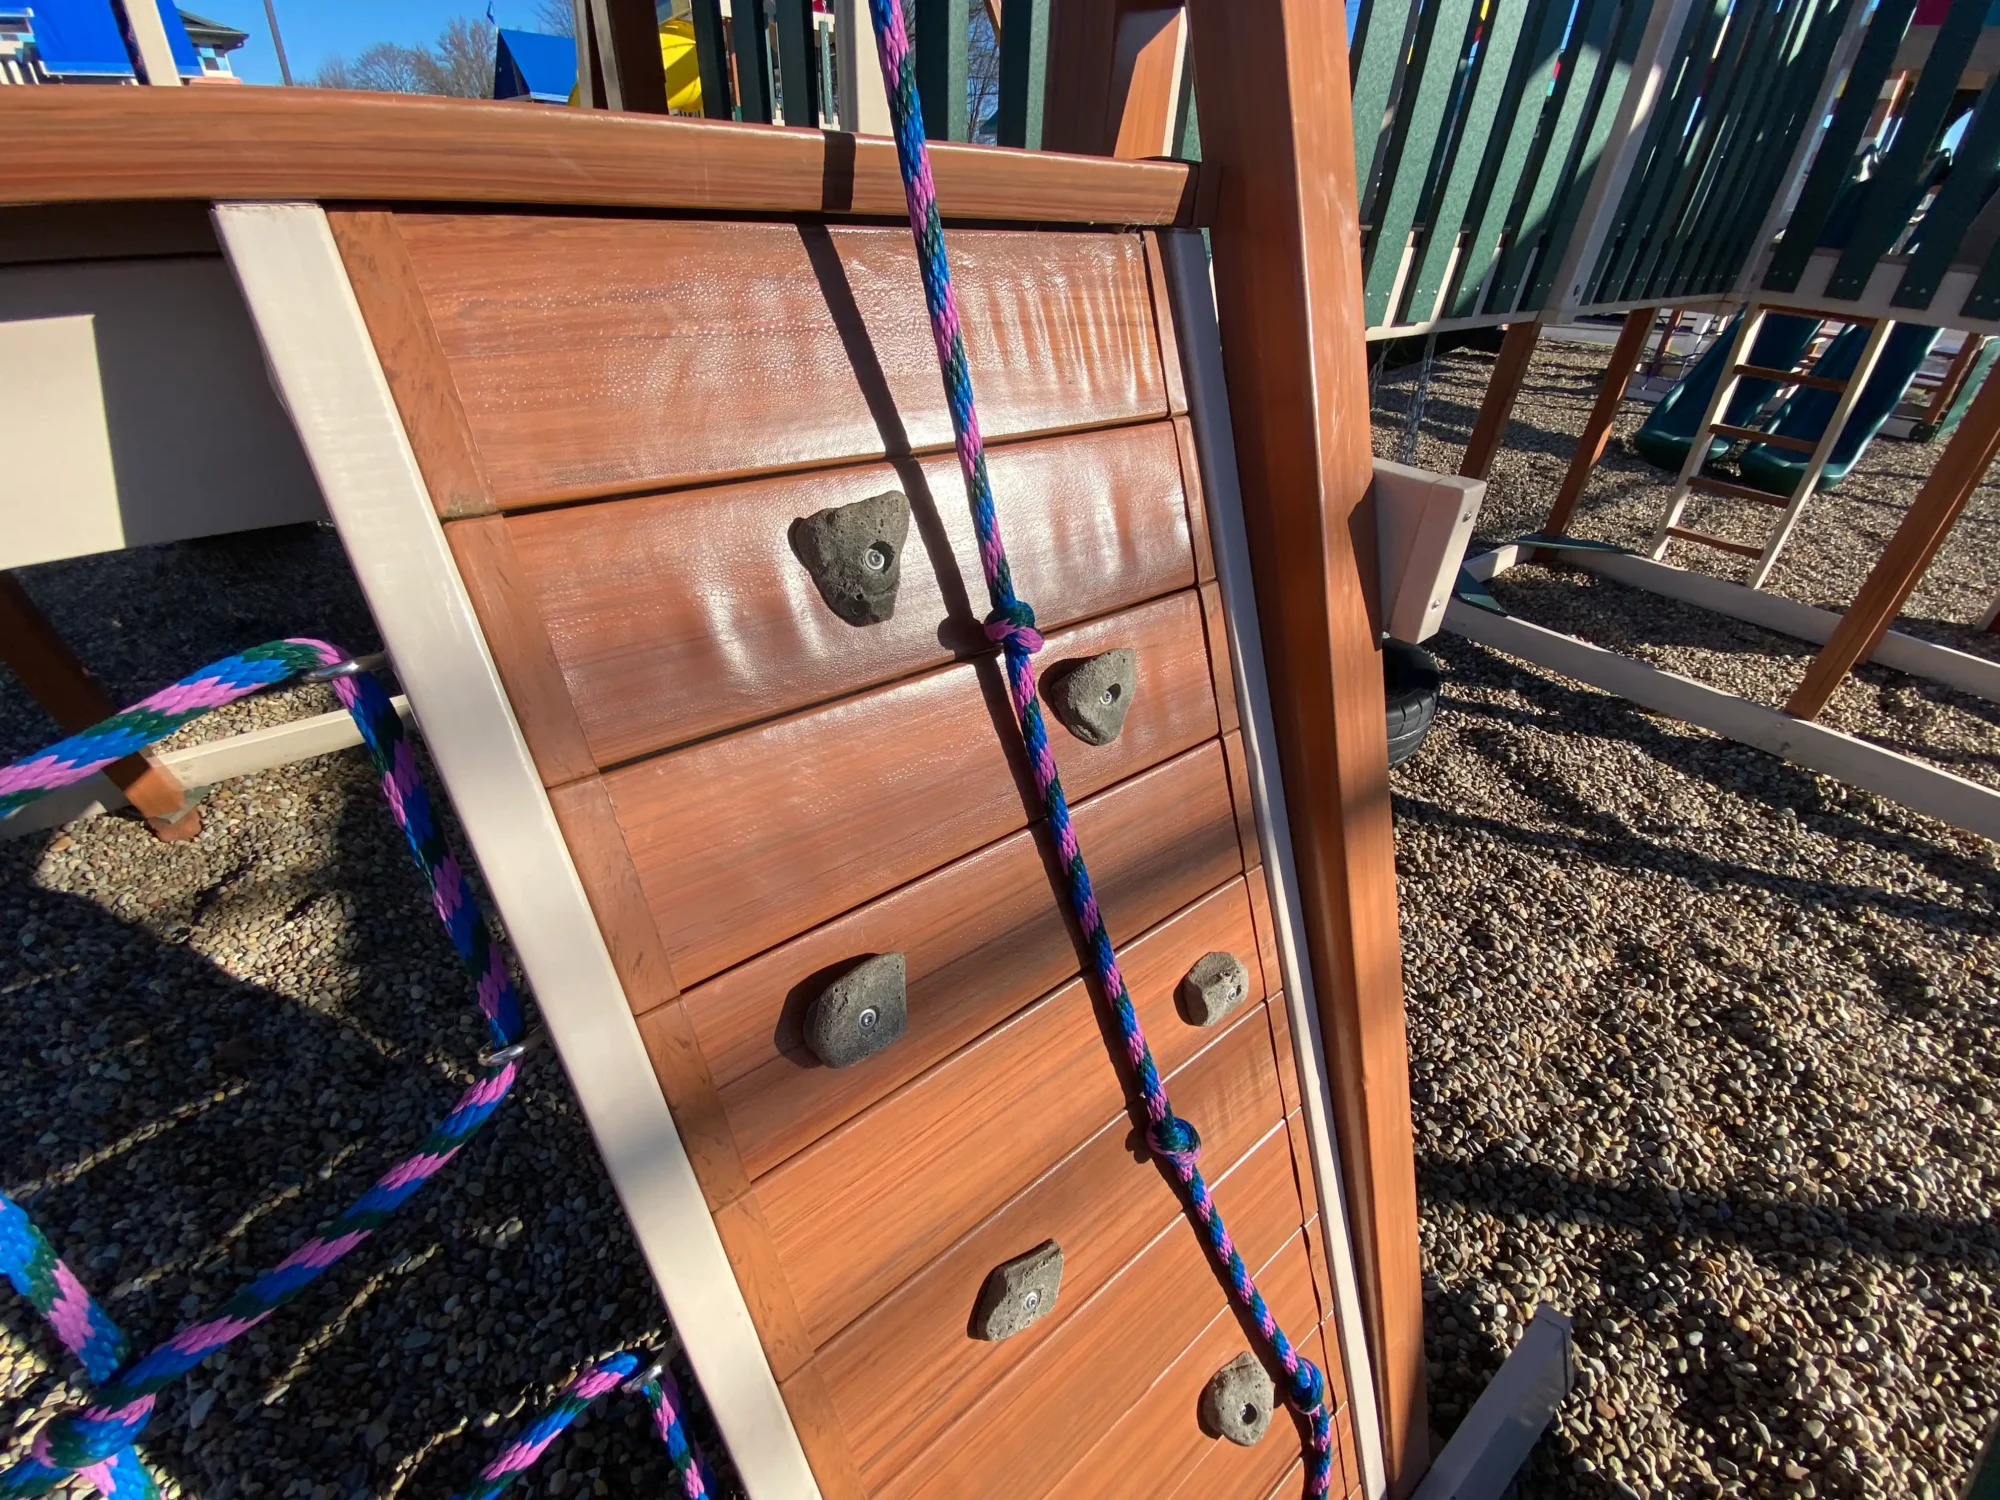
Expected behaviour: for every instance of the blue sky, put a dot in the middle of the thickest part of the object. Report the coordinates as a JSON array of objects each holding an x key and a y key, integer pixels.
[{"x": 316, "y": 29}]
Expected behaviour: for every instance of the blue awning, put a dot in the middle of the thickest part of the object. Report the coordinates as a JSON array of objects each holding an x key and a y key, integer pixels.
[
  {"x": 86, "y": 39},
  {"x": 80, "y": 39},
  {"x": 187, "y": 62},
  {"x": 534, "y": 65}
]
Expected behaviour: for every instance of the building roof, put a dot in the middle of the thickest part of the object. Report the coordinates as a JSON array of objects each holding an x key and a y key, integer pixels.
[
  {"x": 534, "y": 65},
  {"x": 206, "y": 33}
]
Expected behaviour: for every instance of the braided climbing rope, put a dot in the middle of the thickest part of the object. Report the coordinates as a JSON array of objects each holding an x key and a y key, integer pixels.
[
  {"x": 609, "y": 1374},
  {"x": 95, "y": 1442},
  {"x": 1012, "y": 624}
]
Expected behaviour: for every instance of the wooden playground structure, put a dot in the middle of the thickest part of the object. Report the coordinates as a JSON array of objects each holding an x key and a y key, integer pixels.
[{"x": 568, "y": 382}]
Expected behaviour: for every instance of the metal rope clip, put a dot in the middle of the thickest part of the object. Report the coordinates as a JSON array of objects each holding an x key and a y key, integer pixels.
[
  {"x": 638, "y": 1383},
  {"x": 495, "y": 1057},
  {"x": 348, "y": 666}
]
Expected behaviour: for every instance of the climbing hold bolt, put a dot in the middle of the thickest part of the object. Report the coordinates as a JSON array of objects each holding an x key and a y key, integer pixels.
[
  {"x": 1215, "y": 986},
  {"x": 1091, "y": 697},
  {"x": 855, "y": 555},
  {"x": 861, "y": 1012},
  {"x": 1018, "y": 1292},
  {"x": 1237, "y": 1401}
]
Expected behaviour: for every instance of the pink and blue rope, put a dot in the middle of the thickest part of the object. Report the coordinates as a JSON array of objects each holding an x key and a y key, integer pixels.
[
  {"x": 612, "y": 1373},
  {"x": 95, "y": 1442},
  {"x": 1012, "y": 623}
]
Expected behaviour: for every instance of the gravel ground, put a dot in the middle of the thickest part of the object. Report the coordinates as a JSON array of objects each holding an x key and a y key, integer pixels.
[
  {"x": 1703, "y": 1046},
  {"x": 1703, "y": 1052},
  {"x": 219, "y": 1043}
]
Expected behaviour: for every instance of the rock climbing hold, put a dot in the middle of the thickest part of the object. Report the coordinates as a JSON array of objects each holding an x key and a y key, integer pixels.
[
  {"x": 1018, "y": 1292},
  {"x": 1091, "y": 697},
  {"x": 855, "y": 555},
  {"x": 861, "y": 1012},
  {"x": 1215, "y": 986},
  {"x": 1237, "y": 1401}
]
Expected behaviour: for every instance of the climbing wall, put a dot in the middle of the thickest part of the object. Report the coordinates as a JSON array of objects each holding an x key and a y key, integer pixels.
[{"x": 779, "y": 746}]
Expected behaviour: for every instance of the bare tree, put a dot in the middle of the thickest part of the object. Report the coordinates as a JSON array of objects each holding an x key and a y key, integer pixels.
[
  {"x": 982, "y": 77},
  {"x": 556, "y": 17},
  {"x": 460, "y": 64},
  {"x": 384, "y": 68}
]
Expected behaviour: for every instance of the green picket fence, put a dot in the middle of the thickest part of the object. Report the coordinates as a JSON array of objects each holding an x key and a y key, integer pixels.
[{"x": 1504, "y": 145}]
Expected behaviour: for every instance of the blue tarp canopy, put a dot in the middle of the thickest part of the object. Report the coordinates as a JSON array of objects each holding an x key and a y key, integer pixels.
[
  {"x": 534, "y": 65},
  {"x": 79, "y": 39},
  {"x": 84, "y": 39}
]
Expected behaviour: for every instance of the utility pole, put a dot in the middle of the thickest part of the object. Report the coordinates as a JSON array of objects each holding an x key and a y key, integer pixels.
[{"x": 277, "y": 41}]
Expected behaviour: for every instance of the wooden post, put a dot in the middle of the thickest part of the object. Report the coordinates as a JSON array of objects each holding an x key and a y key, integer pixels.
[
  {"x": 1954, "y": 377},
  {"x": 1113, "y": 78},
  {"x": 1502, "y": 386},
  {"x": 1590, "y": 446},
  {"x": 54, "y": 678},
  {"x": 1277, "y": 123},
  {"x": 1923, "y": 530}
]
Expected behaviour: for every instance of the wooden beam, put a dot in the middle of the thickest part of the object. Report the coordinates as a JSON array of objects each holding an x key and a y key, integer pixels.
[
  {"x": 1277, "y": 122},
  {"x": 54, "y": 678},
  {"x": 1597, "y": 429},
  {"x": 1502, "y": 387},
  {"x": 1114, "y": 71},
  {"x": 1923, "y": 530},
  {"x": 209, "y": 144},
  {"x": 626, "y": 37}
]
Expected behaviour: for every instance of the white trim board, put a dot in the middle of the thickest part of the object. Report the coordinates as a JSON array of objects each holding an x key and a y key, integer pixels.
[
  {"x": 201, "y": 766},
  {"x": 1918, "y": 786},
  {"x": 1192, "y": 294},
  {"x": 1904, "y": 653},
  {"x": 324, "y": 366}
]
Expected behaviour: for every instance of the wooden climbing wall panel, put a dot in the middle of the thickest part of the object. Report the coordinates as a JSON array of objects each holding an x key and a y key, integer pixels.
[{"x": 620, "y": 420}]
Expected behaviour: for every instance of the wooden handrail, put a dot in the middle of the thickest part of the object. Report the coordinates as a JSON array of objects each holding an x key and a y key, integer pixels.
[{"x": 249, "y": 144}]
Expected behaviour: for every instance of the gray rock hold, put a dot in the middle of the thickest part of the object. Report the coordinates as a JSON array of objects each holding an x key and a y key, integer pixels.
[
  {"x": 1018, "y": 1292},
  {"x": 1214, "y": 987},
  {"x": 1092, "y": 697},
  {"x": 1237, "y": 1401},
  {"x": 855, "y": 555},
  {"x": 860, "y": 1013}
]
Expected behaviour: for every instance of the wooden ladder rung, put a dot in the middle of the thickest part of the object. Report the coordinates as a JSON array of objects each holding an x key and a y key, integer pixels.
[
  {"x": 1741, "y": 549},
  {"x": 1801, "y": 310},
  {"x": 1724, "y": 488},
  {"x": 1790, "y": 377},
  {"x": 1752, "y": 435}
]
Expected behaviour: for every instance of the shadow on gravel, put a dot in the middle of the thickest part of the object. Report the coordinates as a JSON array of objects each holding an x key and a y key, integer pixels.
[
  {"x": 175, "y": 1130},
  {"x": 1735, "y": 769}
]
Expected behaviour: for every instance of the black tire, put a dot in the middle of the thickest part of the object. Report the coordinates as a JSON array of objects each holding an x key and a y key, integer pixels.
[{"x": 1410, "y": 683}]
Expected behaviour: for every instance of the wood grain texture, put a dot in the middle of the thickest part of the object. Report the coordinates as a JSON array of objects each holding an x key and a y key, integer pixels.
[
  {"x": 907, "y": 1367},
  {"x": 70, "y": 145},
  {"x": 747, "y": 1239},
  {"x": 1158, "y": 1446},
  {"x": 1277, "y": 126},
  {"x": 1240, "y": 797},
  {"x": 743, "y": 841},
  {"x": 820, "y": 1434},
  {"x": 981, "y": 938},
  {"x": 1503, "y": 385},
  {"x": 976, "y": 1130},
  {"x": 1919, "y": 535},
  {"x": 674, "y": 617},
  {"x": 1267, "y": 931},
  {"x": 1597, "y": 426},
  {"x": 385, "y": 284},
  {"x": 1215, "y": 619},
  {"x": 586, "y": 371},
  {"x": 1163, "y": 328},
  {"x": 1197, "y": 502},
  {"x": 511, "y": 621},
  {"x": 1100, "y": 1364}
]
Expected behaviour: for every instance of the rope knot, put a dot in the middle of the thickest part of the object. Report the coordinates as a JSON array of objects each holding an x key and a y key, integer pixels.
[
  {"x": 74, "y": 1440},
  {"x": 1307, "y": 1388},
  {"x": 1013, "y": 626},
  {"x": 1176, "y": 1140}
]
